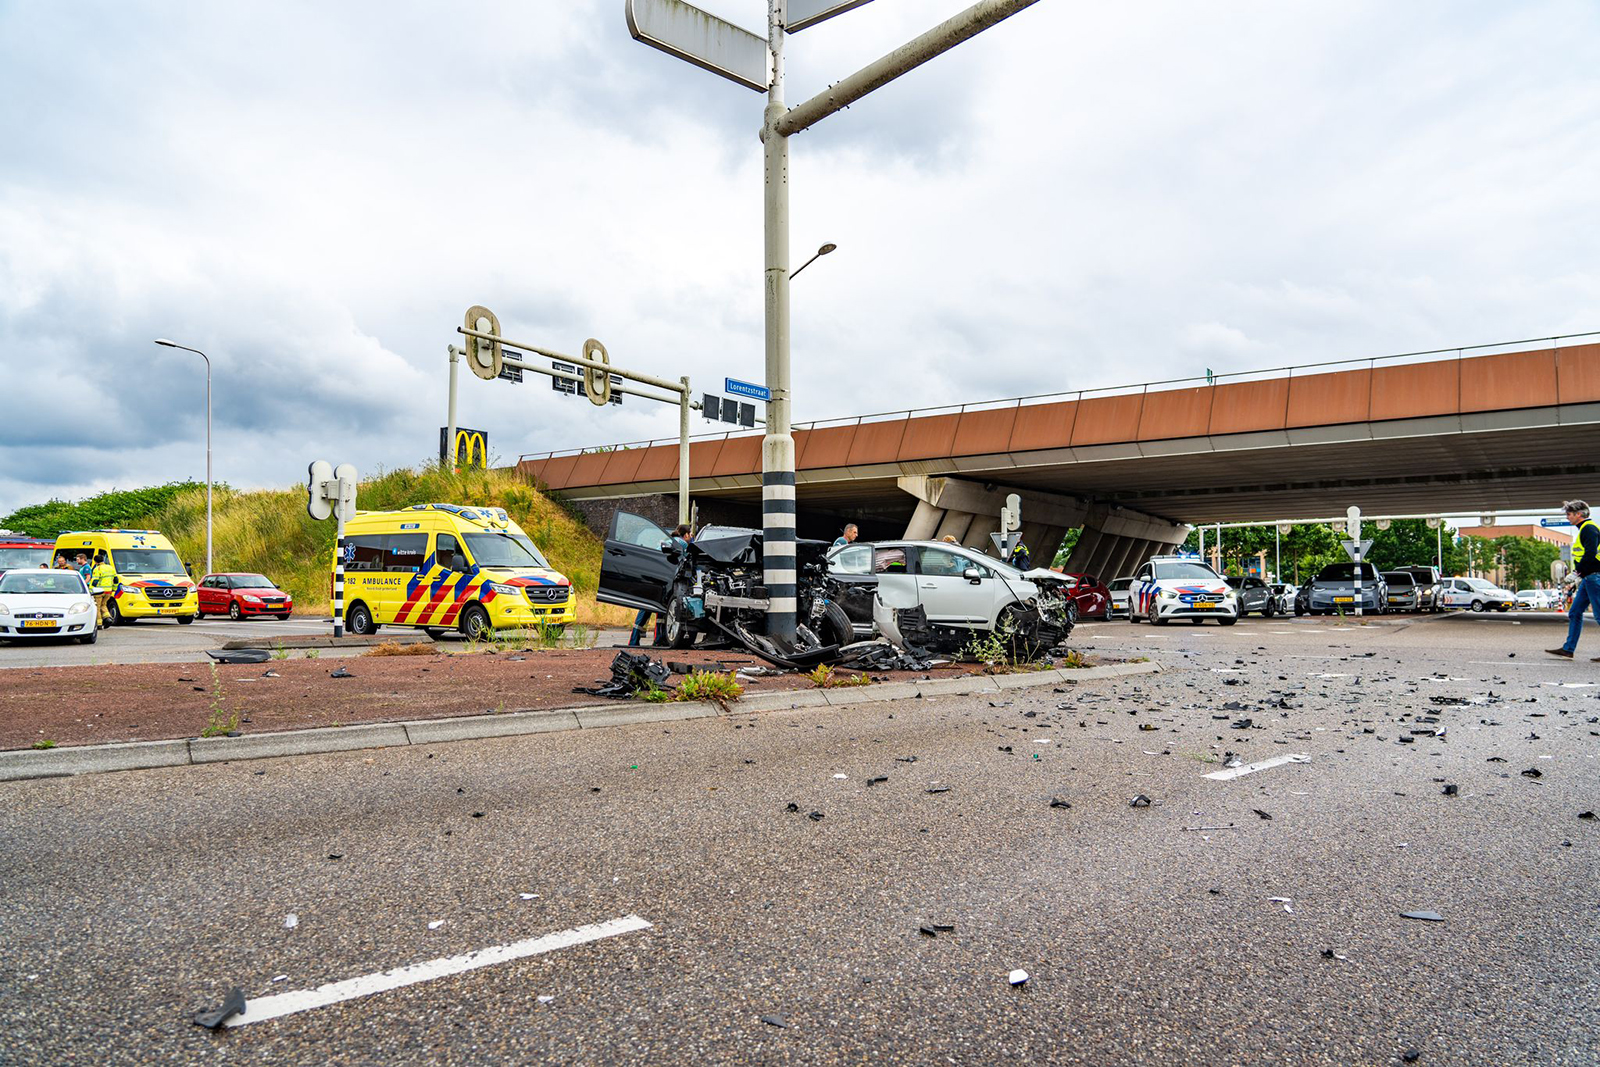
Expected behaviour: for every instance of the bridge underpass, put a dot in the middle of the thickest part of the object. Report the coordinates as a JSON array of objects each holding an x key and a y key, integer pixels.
[{"x": 1135, "y": 467}]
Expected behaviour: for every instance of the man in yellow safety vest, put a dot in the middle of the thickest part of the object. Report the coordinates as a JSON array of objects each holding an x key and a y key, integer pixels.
[{"x": 1586, "y": 565}]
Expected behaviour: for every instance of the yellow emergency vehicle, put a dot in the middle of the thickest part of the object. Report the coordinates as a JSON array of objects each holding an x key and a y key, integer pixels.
[
  {"x": 152, "y": 581},
  {"x": 444, "y": 567}
]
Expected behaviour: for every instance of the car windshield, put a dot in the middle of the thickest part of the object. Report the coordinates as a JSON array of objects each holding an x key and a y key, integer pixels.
[
  {"x": 1121, "y": 584},
  {"x": 1183, "y": 569},
  {"x": 1346, "y": 572},
  {"x": 24, "y": 557},
  {"x": 146, "y": 561},
  {"x": 504, "y": 550},
  {"x": 64, "y": 583},
  {"x": 251, "y": 581}
]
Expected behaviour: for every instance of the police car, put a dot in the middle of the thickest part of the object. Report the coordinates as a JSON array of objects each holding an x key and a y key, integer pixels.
[{"x": 1181, "y": 587}]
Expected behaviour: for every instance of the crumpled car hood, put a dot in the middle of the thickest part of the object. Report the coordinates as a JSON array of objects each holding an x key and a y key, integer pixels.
[{"x": 737, "y": 544}]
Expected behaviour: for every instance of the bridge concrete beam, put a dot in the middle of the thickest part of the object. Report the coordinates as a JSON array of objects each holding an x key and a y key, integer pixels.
[{"x": 1117, "y": 540}]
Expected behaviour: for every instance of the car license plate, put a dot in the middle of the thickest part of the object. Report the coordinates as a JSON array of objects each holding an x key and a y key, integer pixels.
[
  {"x": 1344, "y": 600},
  {"x": 168, "y": 610},
  {"x": 1205, "y": 603},
  {"x": 39, "y": 624}
]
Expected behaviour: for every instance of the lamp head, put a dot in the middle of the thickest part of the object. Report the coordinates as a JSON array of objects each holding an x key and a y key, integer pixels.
[
  {"x": 825, "y": 249},
  {"x": 164, "y": 341}
]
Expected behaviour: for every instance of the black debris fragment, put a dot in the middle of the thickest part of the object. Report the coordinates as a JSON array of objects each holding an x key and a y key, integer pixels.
[
  {"x": 1533, "y": 772},
  {"x": 874, "y": 781},
  {"x": 938, "y": 789},
  {"x": 630, "y": 672},
  {"x": 232, "y": 1005},
  {"x": 905, "y": 759},
  {"x": 1140, "y": 801},
  {"x": 336, "y": 855},
  {"x": 237, "y": 655},
  {"x": 1425, "y": 916},
  {"x": 1242, "y": 724},
  {"x": 1587, "y": 815},
  {"x": 1263, "y": 814},
  {"x": 1451, "y": 789},
  {"x": 340, "y": 673},
  {"x": 779, "y": 1021},
  {"x": 927, "y": 931},
  {"x": 815, "y": 816},
  {"x": 1057, "y": 802},
  {"x": 1411, "y": 1055},
  {"x": 791, "y": 807},
  {"x": 944, "y": 928}
]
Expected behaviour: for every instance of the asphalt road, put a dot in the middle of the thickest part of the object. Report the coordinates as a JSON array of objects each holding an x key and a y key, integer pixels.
[
  {"x": 129, "y": 902},
  {"x": 155, "y": 641}
]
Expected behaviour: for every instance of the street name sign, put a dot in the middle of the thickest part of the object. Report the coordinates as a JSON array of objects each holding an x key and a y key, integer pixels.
[
  {"x": 683, "y": 30},
  {"x": 803, "y": 14},
  {"x": 1547, "y": 523},
  {"x": 747, "y": 389}
]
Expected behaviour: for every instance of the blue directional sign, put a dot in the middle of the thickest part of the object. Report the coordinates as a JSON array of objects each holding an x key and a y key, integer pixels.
[
  {"x": 1554, "y": 522},
  {"x": 749, "y": 389}
]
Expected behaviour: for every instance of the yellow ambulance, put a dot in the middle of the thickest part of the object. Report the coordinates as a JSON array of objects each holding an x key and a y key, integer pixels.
[
  {"x": 448, "y": 567},
  {"x": 152, "y": 581}
]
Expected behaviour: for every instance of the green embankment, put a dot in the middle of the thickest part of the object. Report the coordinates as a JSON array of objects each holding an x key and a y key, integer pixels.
[{"x": 268, "y": 530}]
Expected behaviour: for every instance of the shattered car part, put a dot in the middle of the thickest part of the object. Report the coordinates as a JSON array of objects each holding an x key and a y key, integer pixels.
[
  {"x": 233, "y": 1004},
  {"x": 630, "y": 672}
]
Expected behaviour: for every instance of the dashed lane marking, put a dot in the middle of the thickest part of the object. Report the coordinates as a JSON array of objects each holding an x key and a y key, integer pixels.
[
  {"x": 1251, "y": 768},
  {"x": 263, "y": 1008}
]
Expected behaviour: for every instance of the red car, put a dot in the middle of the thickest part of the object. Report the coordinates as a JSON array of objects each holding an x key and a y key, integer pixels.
[
  {"x": 18, "y": 550},
  {"x": 239, "y": 595},
  {"x": 1091, "y": 596}
]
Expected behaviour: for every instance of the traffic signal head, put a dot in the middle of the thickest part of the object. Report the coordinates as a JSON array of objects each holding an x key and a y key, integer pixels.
[{"x": 484, "y": 357}]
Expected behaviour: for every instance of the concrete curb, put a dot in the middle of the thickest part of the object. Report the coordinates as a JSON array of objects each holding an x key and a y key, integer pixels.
[
  {"x": 294, "y": 641},
  {"x": 19, "y": 765}
]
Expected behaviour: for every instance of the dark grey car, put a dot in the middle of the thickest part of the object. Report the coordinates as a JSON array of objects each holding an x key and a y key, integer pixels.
[
  {"x": 1334, "y": 590},
  {"x": 1254, "y": 595}
]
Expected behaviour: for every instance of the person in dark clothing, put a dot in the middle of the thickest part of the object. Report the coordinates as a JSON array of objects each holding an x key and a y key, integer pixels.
[
  {"x": 846, "y": 536},
  {"x": 1586, "y": 563},
  {"x": 680, "y": 541},
  {"x": 1021, "y": 558}
]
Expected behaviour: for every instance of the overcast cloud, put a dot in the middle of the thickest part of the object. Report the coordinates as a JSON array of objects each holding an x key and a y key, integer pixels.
[{"x": 1086, "y": 195}]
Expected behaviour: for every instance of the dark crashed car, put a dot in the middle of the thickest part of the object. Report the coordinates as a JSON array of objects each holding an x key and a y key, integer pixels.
[{"x": 716, "y": 586}]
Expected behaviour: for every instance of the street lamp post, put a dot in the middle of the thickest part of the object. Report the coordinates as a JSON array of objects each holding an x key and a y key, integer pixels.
[
  {"x": 824, "y": 250},
  {"x": 202, "y": 355}
]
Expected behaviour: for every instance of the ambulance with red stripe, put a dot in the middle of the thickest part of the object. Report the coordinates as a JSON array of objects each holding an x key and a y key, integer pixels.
[
  {"x": 448, "y": 567},
  {"x": 152, "y": 582}
]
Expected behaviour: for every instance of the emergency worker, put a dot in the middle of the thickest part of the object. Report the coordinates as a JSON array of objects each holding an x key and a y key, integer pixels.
[
  {"x": 680, "y": 541},
  {"x": 102, "y": 583},
  {"x": 84, "y": 567},
  {"x": 1021, "y": 558},
  {"x": 1586, "y": 565}
]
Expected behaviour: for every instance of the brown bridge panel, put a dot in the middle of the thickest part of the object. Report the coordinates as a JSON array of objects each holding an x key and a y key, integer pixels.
[
  {"x": 1175, "y": 413},
  {"x": 739, "y": 455},
  {"x": 876, "y": 442},
  {"x": 979, "y": 432},
  {"x": 533, "y": 469},
  {"x": 828, "y": 446},
  {"x": 1107, "y": 419},
  {"x": 558, "y": 474},
  {"x": 623, "y": 466},
  {"x": 1578, "y": 368},
  {"x": 1041, "y": 426},
  {"x": 702, "y": 456},
  {"x": 928, "y": 437},
  {"x": 1249, "y": 407},
  {"x": 589, "y": 469},
  {"x": 661, "y": 463},
  {"x": 1511, "y": 380},
  {"x": 1415, "y": 390},
  {"x": 1329, "y": 399}
]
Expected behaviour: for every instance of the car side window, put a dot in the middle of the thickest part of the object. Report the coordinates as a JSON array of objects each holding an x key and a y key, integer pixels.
[
  {"x": 939, "y": 561},
  {"x": 856, "y": 559},
  {"x": 406, "y": 552},
  {"x": 889, "y": 561},
  {"x": 1144, "y": 574},
  {"x": 447, "y": 553},
  {"x": 633, "y": 529},
  {"x": 363, "y": 552}
]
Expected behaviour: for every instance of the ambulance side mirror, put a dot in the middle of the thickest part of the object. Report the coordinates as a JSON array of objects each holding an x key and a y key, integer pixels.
[{"x": 188, "y": 569}]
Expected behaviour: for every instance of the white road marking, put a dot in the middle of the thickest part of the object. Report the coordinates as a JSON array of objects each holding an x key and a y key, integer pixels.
[
  {"x": 1251, "y": 768},
  {"x": 260, "y": 1009}
]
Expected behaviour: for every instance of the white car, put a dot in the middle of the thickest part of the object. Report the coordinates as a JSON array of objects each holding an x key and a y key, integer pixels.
[
  {"x": 1178, "y": 587},
  {"x": 1537, "y": 599},
  {"x": 938, "y": 595},
  {"x": 1121, "y": 593},
  {"x": 46, "y": 603},
  {"x": 1479, "y": 594}
]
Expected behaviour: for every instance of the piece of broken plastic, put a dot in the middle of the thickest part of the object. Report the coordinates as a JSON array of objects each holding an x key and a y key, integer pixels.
[
  {"x": 232, "y": 1004},
  {"x": 1425, "y": 916},
  {"x": 776, "y": 1020},
  {"x": 1018, "y": 976},
  {"x": 1140, "y": 801}
]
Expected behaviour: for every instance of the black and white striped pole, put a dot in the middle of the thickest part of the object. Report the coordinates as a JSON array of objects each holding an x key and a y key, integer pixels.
[
  {"x": 331, "y": 492},
  {"x": 1352, "y": 526}
]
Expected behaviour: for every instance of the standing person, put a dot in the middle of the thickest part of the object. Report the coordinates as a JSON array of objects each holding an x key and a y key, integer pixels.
[
  {"x": 103, "y": 583},
  {"x": 847, "y": 536},
  {"x": 84, "y": 567},
  {"x": 1021, "y": 558},
  {"x": 1586, "y": 565},
  {"x": 61, "y": 563},
  {"x": 680, "y": 542}
]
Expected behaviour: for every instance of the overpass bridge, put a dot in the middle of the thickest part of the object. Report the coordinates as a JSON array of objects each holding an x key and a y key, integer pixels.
[{"x": 1502, "y": 427}]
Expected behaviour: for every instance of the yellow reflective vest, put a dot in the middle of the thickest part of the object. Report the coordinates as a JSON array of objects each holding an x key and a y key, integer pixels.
[
  {"x": 1578, "y": 551},
  {"x": 104, "y": 576}
]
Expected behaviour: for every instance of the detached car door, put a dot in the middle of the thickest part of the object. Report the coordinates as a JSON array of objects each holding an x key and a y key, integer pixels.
[
  {"x": 855, "y": 582},
  {"x": 634, "y": 571}
]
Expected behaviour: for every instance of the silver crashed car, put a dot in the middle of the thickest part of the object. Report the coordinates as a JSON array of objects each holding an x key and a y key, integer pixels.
[{"x": 939, "y": 596}]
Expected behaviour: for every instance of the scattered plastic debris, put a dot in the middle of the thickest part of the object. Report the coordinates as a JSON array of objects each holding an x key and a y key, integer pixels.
[
  {"x": 1285, "y": 901},
  {"x": 290, "y": 921},
  {"x": 1329, "y": 954},
  {"x": 1425, "y": 916},
  {"x": 535, "y": 896},
  {"x": 1533, "y": 772},
  {"x": 1140, "y": 801},
  {"x": 1057, "y": 802},
  {"x": 1018, "y": 977},
  {"x": 938, "y": 789},
  {"x": 1411, "y": 1055},
  {"x": 874, "y": 781},
  {"x": 630, "y": 673},
  {"x": 1263, "y": 814},
  {"x": 815, "y": 816},
  {"x": 435, "y": 924},
  {"x": 232, "y": 1005},
  {"x": 545, "y": 998},
  {"x": 1451, "y": 789},
  {"x": 780, "y": 1021},
  {"x": 238, "y": 655},
  {"x": 340, "y": 673},
  {"x": 1588, "y": 815}
]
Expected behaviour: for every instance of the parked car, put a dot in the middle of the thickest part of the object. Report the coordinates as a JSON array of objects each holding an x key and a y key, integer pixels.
[
  {"x": 1177, "y": 587},
  {"x": 1283, "y": 597},
  {"x": 941, "y": 596},
  {"x": 1404, "y": 593},
  {"x": 239, "y": 596},
  {"x": 20, "y": 550},
  {"x": 1302, "y": 597},
  {"x": 37, "y": 602},
  {"x": 1334, "y": 590},
  {"x": 1254, "y": 595},
  {"x": 1478, "y": 594},
  {"x": 1120, "y": 590},
  {"x": 1427, "y": 579},
  {"x": 1090, "y": 596},
  {"x": 1537, "y": 599}
]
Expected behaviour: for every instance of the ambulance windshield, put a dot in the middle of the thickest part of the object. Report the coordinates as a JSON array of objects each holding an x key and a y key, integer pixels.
[
  {"x": 503, "y": 550},
  {"x": 146, "y": 561}
]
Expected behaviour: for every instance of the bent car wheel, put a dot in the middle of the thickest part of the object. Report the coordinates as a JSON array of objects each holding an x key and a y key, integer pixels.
[
  {"x": 836, "y": 628},
  {"x": 475, "y": 623},
  {"x": 359, "y": 620}
]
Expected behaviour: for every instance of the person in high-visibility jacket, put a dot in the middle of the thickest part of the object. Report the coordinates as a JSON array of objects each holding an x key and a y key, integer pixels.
[
  {"x": 1021, "y": 558},
  {"x": 103, "y": 583},
  {"x": 1586, "y": 564}
]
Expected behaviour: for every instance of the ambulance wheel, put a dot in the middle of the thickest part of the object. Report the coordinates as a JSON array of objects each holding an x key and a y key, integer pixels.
[
  {"x": 113, "y": 614},
  {"x": 358, "y": 620},
  {"x": 475, "y": 623},
  {"x": 234, "y": 613},
  {"x": 185, "y": 620}
]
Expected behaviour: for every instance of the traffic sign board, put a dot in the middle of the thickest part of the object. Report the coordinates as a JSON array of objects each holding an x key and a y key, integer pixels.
[
  {"x": 683, "y": 30},
  {"x": 749, "y": 389},
  {"x": 1350, "y": 548},
  {"x": 803, "y": 14},
  {"x": 1553, "y": 522}
]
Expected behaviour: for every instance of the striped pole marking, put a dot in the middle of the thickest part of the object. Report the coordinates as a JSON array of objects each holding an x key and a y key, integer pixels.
[
  {"x": 778, "y": 553},
  {"x": 338, "y": 582},
  {"x": 263, "y": 1008}
]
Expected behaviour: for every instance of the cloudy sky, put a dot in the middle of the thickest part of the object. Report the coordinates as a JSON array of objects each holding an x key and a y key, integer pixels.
[{"x": 1085, "y": 195}]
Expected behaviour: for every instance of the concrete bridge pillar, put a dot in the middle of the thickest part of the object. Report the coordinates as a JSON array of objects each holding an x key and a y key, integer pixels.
[
  {"x": 970, "y": 512},
  {"x": 1115, "y": 541}
]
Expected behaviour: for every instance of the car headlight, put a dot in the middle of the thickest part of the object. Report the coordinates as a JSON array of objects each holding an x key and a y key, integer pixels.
[
  {"x": 4, "y": 610},
  {"x": 252, "y": 600},
  {"x": 1168, "y": 594},
  {"x": 501, "y": 590},
  {"x": 80, "y": 607}
]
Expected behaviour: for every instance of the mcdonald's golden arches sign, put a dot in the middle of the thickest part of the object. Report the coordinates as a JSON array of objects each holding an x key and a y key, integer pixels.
[{"x": 471, "y": 447}]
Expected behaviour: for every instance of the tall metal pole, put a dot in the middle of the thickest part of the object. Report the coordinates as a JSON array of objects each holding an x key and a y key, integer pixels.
[
  {"x": 1277, "y": 556},
  {"x": 449, "y": 459},
  {"x": 683, "y": 452},
  {"x": 777, "y": 449},
  {"x": 208, "y": 461}
]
